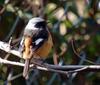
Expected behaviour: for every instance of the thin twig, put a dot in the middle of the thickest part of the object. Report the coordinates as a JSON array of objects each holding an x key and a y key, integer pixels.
[
  {"x": 15, "y": 77},
  {"x": 75, "y": 52},
  {"x": 13, "y": 28}
]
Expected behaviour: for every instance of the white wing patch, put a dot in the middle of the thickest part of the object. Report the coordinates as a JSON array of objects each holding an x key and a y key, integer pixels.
[{"x": 38, "y": 41}]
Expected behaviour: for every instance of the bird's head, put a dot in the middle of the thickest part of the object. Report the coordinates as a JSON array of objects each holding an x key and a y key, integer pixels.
[{"x": 34, "y": 26}]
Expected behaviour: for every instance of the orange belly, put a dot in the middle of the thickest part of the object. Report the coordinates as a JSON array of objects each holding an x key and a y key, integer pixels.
[{"x": 45, "y": 49}]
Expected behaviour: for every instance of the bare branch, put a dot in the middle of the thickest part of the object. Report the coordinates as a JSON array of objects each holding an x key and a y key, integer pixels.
[
  {"x": 65, "y": 69},
  {"x": 6, "y": 47},
  {"x": 55, "y": 68},
  {"x": 3, "y": 61},
  {"x": 75, "y": 52}
]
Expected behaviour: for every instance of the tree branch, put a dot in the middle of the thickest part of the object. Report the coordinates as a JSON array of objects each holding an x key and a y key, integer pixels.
[
  {"x": 65, "y": 69},
  {"x": 7, "y": 48}
]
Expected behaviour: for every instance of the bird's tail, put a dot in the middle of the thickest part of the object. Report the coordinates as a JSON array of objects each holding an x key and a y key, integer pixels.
[{"x": 26, "y": 68}]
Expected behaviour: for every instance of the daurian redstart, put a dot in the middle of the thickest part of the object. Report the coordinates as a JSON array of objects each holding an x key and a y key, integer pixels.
[{"x": 37, "y": 37}]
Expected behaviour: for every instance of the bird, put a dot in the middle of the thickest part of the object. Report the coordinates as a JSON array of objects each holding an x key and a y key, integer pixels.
[{"x": 37, "y": 37}]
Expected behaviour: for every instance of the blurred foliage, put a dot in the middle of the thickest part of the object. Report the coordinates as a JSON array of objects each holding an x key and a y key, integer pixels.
[{"x": 67, "y": 20}]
